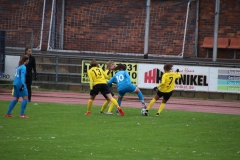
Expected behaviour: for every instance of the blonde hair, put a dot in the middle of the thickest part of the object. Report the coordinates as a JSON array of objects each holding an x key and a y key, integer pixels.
[{"x": 109, "y": 64}]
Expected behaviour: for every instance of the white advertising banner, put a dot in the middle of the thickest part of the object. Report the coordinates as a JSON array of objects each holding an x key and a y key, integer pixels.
[
  {"x": 224, "y": 79},
  {"x": 11, "y": 62},
  {"x": 212, "y": 79}
]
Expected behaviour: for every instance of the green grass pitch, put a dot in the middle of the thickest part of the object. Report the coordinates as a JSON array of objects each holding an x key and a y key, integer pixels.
[{"x": 62, "y": 131}]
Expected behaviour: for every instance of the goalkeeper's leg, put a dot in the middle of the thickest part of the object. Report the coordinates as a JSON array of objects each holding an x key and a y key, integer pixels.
[
  {"x": 11, "y": 106},
  {"x": 141, "y": 98},
  {"x": 23, "y": 106}
]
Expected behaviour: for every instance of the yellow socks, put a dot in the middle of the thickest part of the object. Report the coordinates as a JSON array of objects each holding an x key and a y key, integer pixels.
[
  {"x": 89, "y": 106},
  {"x": 161, "y": 108},
  {"x": 105, "y": 104},
  {"x": 110, "y": 107},
  {"x": 114, "y": 101},
  {"x": 153, "y": 101}
]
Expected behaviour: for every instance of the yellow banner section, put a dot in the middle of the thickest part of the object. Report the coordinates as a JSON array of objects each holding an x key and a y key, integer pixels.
[{"x": 131, "y": 68}]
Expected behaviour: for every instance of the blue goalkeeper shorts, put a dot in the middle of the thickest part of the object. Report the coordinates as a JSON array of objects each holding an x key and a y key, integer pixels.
[{"x": 17, "y": 93}]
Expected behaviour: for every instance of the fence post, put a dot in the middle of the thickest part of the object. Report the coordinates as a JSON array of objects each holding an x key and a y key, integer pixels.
[{"x": 56, "y": 69}]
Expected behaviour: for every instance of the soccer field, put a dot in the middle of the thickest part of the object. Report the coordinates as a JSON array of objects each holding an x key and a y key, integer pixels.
[{"x": 61, "y": 131}]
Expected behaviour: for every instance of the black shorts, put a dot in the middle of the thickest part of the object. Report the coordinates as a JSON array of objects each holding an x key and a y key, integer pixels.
[
  {"x": 111, "y": 91},
  {"x": 166, "y": 96},
  {"x": 103, "y": 88},
  {"x": 104, "y": 95}
]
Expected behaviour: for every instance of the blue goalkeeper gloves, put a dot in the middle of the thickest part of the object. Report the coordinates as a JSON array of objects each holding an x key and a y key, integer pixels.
[{"x": 21, "y": 89}]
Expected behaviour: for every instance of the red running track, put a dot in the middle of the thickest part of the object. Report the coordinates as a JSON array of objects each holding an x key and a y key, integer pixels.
[{"x": 192, "y": 105}]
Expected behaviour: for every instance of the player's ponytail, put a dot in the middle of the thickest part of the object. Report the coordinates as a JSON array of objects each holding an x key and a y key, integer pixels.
[{"x": 23, "y": 59}]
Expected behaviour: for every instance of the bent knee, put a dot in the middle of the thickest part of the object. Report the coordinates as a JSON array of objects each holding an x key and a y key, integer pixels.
[{"x": 137, "y": 89}]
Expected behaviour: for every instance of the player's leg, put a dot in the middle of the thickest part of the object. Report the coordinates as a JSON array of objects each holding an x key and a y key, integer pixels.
[
  {"x": 110, "y": 108},
  {"x": 166, "y": 97},
  {"x": 23, "y": 107},
  {"x": 140, "y": 96},
  {"x": 153, "y": 101},
  {"x": 89, "y": 105},
  {"x": 105, "y": 104},
  {"x": 11, "y": 106},
  {"x": 93, "y": 93},
  {"x": 24, "y": 95},
  {"x": 161, "y": 107},
  {"x": 105, "y": 91},
  {"x": 119, "y": 100},
  {"x": 29, "y": 89},
  {"x": 13, "y": 102},
  {"x": 115, "y": 103},
  {"x": 120, "y": 96},
  {"x": 112, "y": 105}
]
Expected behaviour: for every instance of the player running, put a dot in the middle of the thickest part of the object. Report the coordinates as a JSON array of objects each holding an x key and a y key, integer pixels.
[{"x": 165, "y": 88}]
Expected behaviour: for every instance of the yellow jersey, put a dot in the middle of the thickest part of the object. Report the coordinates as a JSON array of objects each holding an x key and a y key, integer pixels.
[
  {"x": 108, "y": 73},
  {"x": 96, "y": 76},
  {"x": 168, "y": 81}
]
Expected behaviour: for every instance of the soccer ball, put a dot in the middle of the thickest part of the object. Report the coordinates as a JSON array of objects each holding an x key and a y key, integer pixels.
[{"x": 143, "y": 111}]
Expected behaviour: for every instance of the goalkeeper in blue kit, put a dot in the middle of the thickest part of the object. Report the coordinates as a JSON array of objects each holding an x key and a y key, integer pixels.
[
  {"x": 20, "y": 89},
  {"x": 165, "y": 88}
]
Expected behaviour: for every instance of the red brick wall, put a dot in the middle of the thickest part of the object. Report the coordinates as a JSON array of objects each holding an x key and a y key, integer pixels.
[
  {"x": 89, "y": 24},
  {"x": 229, "y": 24},
  {"x": 98, "y": 26},
  {"x": 21, "y": 15},
  {"x": 111, "y": 26}
]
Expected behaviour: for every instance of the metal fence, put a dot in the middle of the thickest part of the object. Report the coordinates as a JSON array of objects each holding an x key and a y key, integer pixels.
[{"x": 18, "y": 39}]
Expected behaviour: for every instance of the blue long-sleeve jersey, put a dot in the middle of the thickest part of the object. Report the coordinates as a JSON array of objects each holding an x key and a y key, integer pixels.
[
  {"x": 19, "y": 78},
  {"x": 122, "y": 79}
]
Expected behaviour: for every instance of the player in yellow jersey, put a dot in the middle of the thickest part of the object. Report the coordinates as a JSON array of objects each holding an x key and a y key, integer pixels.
[
  {"x": 98, "y": 84},
  {"x": 110, "y": 66},
  {"x": 165, "y": 88}
]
